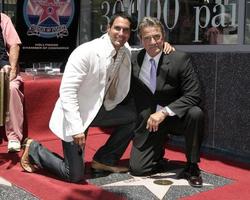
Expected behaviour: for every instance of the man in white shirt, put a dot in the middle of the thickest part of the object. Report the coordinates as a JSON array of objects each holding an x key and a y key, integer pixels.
[{"x": 95, "y": 83}]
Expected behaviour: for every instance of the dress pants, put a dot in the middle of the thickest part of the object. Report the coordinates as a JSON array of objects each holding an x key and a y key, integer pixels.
[
  {"x": 145, "y": 159},
  {"x": 71, "y": 168},
  {"x": 14, "y": 126}
]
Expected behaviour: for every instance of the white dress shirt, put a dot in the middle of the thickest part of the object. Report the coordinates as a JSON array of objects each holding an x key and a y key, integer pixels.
[{"x": 144, "y": 76}]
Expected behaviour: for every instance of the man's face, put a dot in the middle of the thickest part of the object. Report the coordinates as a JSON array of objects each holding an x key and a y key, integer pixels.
[
  {"x": 119, "y": 32},
  {"x": 152, "y": 40}
]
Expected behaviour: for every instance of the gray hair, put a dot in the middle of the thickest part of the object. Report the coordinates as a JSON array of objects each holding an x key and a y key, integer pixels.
[{"x": 149, "y": 22}]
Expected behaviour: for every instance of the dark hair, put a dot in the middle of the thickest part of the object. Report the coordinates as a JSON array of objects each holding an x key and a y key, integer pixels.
[
  {"x": 148, "y": 22},
  {"x": 122, "y": 15}
]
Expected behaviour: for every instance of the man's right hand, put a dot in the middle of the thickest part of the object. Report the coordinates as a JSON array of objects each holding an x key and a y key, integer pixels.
[
  {"x": 79, "y": 139},
  {"x": 154, "y": 121}
]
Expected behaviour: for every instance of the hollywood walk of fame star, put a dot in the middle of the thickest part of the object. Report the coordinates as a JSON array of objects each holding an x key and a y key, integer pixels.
[
  {"x": 4, "y": 182},
  {"x": 150, "y": 182},
  {"x": 49, "y": 10}
]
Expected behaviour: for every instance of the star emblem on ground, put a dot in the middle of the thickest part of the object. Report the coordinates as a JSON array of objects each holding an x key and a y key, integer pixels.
[{"x": 146, "y": 187}]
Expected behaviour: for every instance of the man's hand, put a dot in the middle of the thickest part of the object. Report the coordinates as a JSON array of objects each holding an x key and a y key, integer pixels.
[
  {"x": 154, "y": 120},
  {"x": 167, "y": 48},
  {"x": 79, "y": 139},
  {"x": 13, "y": 75},
  {"x": 6, "y": 69}
]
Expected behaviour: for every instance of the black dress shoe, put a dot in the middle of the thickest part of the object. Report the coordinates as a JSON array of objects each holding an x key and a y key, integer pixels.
[
  {"x": 95, "y": 173},
  {"x": 161, "y": 166},
  {"x": 192, "y": 174}
]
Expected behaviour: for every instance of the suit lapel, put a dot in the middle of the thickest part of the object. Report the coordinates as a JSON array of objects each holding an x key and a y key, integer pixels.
[
  {"x": 162, "y": 71},
  {"x": 137, "y": 63}
]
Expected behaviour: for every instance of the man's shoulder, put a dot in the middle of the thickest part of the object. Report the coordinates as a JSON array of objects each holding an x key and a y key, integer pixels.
[
  {"x": 91, "y": 42},
  {"x": 4, "y": 17},
  {"x": 136, "y": 53},
  {"x": 177, "y": 54},
  {"x": 139, "y": 52},
  {"x": 90, "y": 46},
  {"x": 88, "y": 50}
]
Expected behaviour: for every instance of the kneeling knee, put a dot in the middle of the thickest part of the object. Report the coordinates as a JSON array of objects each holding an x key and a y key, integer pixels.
[
  {"x": 195, "y": 113},
  {"x": 76, "y": 179}
]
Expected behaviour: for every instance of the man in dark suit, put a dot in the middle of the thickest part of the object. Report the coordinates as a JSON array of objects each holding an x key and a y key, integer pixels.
[{"x": 167, "y": 95}]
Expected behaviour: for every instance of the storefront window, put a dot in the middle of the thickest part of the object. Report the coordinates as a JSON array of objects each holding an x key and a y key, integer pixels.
[
  {"x": 186, "y": 21},
  {"x": 9, "y": 8},
  {"x": 247, "y": 27},
  {"x": 101, "y": 12}
]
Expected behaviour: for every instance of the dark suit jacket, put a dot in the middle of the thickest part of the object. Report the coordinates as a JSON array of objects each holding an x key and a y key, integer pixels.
[{"x": 177, "y": 87}]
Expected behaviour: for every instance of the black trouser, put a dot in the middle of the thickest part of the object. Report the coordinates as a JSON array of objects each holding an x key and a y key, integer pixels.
[
  {"x": 144, "y": 160},
  {"x": 71, "y": 168}
]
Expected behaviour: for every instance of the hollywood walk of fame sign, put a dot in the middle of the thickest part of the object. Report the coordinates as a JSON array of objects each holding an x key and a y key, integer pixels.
[{"x": 47, "y": 28}]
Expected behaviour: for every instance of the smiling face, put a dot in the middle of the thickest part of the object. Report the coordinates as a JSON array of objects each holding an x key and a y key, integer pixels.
[
  {"x": 152, "y": 39},
  {"x": 119, "y": 32}
]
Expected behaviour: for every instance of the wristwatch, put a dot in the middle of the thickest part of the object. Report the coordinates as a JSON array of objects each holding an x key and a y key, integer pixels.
[{"x": 164, "y": 111}]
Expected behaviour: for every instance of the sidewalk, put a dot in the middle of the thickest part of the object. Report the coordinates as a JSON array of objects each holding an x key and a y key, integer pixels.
[{"x": 11, "y": 192}]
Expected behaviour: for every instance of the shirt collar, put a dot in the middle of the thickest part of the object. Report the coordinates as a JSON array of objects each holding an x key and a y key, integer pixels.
[
  {"x": 156, "y": 58},
  {"x": 110, "y": 51}
]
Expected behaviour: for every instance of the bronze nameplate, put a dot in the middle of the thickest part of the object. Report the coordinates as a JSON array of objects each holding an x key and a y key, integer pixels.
[{"x": 163, "y": 182}]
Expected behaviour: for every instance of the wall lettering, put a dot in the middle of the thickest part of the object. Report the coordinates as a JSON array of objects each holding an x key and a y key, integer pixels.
[{"x": 204, "y": 16}]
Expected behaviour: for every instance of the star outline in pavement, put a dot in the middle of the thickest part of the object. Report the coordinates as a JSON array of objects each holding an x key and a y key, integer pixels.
[
  {"x": 158, "y": 191},
  {"x": 5, "y": 182}
]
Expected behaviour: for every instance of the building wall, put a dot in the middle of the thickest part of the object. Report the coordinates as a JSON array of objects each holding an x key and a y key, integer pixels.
[{"x": 225, "y": 79}]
